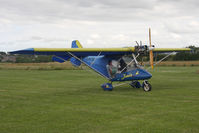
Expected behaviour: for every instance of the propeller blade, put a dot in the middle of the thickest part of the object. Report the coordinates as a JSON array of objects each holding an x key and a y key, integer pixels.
[
  {"x": 150, "y": 52},
  {"x": 137, "y": 43}
]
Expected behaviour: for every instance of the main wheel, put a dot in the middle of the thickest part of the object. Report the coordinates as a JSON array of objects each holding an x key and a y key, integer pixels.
[{"x": 146, "y": 86}]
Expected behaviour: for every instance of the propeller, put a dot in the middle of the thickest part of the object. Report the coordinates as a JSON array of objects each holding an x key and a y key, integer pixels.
[
  {"x": 150, "y": 50},
  {"x": 144, "y": 49},
  {"x": 141, "y": 49},
  {"x": 138, "y": 44}
]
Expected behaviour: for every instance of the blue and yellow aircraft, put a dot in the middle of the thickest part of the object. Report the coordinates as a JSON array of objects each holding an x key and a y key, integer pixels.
[{"x": 114, "y": 64}]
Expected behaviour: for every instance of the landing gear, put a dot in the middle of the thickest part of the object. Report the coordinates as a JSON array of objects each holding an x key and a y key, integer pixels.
[
  {"x": 107, "y": 87},
  {"x": 135, "y": 84},
  {"x": 146, "y": 86}
]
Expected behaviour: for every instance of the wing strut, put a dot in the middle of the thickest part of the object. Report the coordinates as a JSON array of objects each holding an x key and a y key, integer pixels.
[
  {"x": 161, "y": 60},
  {"x": 95, "y": 59},
  {"x": 134, "y": 59}
]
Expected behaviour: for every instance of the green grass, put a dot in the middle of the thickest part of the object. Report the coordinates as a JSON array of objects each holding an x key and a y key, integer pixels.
[{"x": 58, "y": 101}]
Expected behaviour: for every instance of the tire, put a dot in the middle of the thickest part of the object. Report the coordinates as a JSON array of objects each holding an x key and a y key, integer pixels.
[
  {"x": 146, "y": 86},
  {"x": 107, "y": 87}
]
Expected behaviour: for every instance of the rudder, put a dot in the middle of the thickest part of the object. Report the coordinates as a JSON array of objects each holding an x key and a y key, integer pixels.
[{"x": 76, "y": 44}]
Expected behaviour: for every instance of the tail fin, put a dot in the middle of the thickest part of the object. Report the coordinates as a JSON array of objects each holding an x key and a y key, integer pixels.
[
  {"x": 74, "y": 61},
  {"x": 76, "y": 44}
]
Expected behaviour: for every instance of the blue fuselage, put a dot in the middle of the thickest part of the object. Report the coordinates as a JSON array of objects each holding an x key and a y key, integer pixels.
[
  {"x": 136, "y": 74},
  {"x": 99, "y": 64}
]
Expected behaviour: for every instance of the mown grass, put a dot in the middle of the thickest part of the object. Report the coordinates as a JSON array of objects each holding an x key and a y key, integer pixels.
[
  {"x": 38, "y": 66},
  {"x": 69, "y": 66},
  {"x": 58, "y": 101}
]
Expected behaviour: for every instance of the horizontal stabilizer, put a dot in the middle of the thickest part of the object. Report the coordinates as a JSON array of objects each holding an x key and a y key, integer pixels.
[
  {"x": 60, "y": 59},
  {"x": 75, "y": 62},
  {"x": 57, "y": 59}
]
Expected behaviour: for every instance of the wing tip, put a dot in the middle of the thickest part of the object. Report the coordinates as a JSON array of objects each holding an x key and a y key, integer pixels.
[{"x": 24, "y": 51}]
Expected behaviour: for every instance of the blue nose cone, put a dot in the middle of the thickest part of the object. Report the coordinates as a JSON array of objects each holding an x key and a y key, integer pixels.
[{"x": 148, "y": 75}]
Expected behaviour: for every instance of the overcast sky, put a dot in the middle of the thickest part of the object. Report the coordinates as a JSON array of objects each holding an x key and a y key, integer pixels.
[{"x": 97, "y": 23}]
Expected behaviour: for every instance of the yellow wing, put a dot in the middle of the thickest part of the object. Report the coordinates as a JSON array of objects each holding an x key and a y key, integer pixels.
[
  {"x": 77, "y": 51},
  {"x": 170, "y": 49}
]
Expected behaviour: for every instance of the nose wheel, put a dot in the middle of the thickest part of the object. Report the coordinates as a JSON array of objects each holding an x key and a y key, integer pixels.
[
  {"x": 146, "y": 86},
  {"x": 107, "y": 87}
]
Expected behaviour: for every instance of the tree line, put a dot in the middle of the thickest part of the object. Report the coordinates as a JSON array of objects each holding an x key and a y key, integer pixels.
[
  {"x": 181, "y": 56},
  {"x": 24, "y": 58}
]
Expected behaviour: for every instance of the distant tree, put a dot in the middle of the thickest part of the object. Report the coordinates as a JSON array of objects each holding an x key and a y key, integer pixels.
[
  {"x": 33, "y": 58},
  {"x": 2, "y": 53},
  {"x": 185, "y": 56}
]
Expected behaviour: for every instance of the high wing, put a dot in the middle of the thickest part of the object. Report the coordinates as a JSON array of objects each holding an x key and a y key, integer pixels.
[
  {"x": 167, "y": 50},
  {"x": 80, "y": 52},
  {"x": 92, "y": 51}
]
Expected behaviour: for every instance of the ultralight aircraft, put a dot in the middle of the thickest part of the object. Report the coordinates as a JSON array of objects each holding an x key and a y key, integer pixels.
[{"x": 114, "y": 64}]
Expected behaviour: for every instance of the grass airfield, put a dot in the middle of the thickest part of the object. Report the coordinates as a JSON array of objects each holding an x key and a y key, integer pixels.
[{"x": 58, "y": 101}]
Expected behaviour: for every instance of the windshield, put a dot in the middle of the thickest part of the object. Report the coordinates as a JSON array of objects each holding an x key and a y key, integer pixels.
[{"x": 121, "y": 65}]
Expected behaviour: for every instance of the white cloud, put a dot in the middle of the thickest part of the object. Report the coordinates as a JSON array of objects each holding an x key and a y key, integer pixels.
[
  {"x": 95, "y": 36},
  {"x": 97, "y": 23}
]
